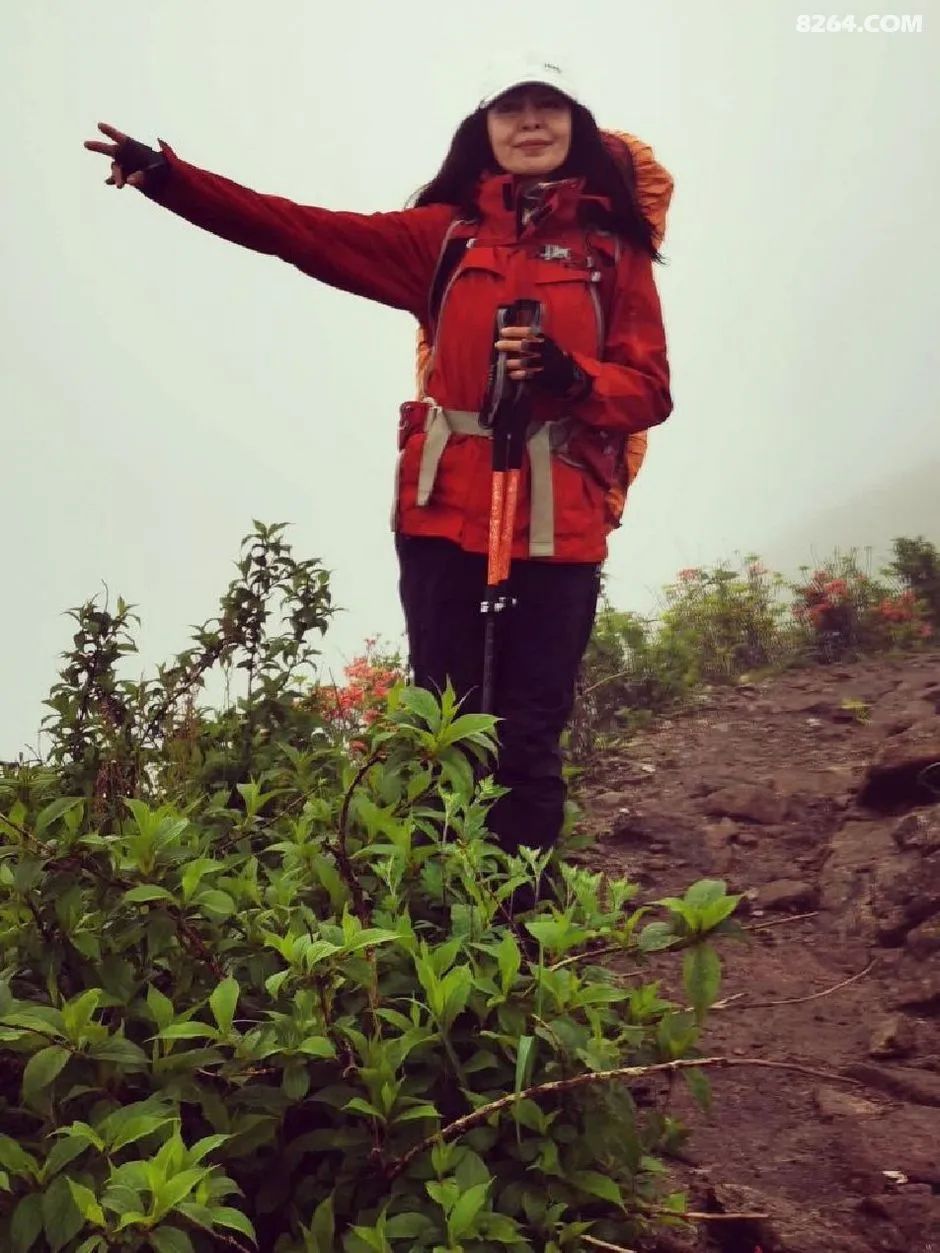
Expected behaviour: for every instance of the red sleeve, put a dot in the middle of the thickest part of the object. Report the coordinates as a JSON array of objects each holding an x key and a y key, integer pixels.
[
  {"x": 630, "y": 389},
  {"x": 387, "y": 257}
]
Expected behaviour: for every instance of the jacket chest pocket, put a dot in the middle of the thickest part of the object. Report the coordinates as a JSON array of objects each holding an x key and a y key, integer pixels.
[
  {"x": 476, "y": 286},
  {"x": 571, "y": 297},
  {"x": 463, "y": 336}
]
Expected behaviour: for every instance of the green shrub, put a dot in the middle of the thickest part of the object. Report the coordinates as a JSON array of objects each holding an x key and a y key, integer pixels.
[
  {"x": 916, "y": 564},
  {"x": 729, "y": 621},
  {"x": 257, "y": 987},
  {"x": 631, "y": 671}
]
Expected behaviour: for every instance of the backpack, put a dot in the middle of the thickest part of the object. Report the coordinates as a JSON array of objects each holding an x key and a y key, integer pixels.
[{"x": 654, "y": 187}]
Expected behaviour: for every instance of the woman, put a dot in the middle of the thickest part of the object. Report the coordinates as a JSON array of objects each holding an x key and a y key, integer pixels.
[{"x": 539, "y": 208}]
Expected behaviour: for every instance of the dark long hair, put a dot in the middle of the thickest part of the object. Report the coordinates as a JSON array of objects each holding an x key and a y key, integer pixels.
[{"x": 471, "y": 155}]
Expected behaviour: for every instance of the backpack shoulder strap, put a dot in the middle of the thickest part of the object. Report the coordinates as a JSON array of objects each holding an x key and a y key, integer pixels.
[
  {"x": 460, "y": 235},
  {"x": 608, "y": 247}
]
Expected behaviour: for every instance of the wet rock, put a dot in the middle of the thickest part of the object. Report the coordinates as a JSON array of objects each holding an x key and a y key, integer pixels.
[
  {"x": 915, "y": 1219},
  {"x": 919, "y": 831},
  {"x": 838, "y": 1103},
  {"x": 788, "y": 894},
  {"x": 748, "y": 803},
  {"x": 609, "y": 802},
  {"x": 846, "y": 877},
  {"x": 894, "y": 779},
  {"x": 918, "y": 991},
  {"x": 892, "y": 1037},
  {"x": 905, "y": 893},
  {"x": 719, "y": 838},
  {"x": 907, "y": 1083},
  {"x": 924, "y": 941}
]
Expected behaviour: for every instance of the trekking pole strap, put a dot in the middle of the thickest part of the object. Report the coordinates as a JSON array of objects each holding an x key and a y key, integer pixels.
[{"x": 440, "y": 424}]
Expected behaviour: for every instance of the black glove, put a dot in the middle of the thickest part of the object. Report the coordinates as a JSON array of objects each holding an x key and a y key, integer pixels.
[
  {"x": 557, "y": 372},
  {"x": 133, "y": 156}
]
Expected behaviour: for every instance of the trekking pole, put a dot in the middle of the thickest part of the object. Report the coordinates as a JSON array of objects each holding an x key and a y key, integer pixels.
[{"x": 506, "y": 412}]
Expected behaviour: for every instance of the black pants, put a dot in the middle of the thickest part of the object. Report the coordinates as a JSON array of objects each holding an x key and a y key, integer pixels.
[{"x": 540, "y": 643}]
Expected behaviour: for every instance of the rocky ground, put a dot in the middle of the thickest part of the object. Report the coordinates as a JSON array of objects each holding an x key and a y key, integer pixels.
[{"x": 812, "y": 793}]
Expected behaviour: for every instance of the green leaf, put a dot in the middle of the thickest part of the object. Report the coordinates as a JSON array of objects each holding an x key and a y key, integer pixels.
[
  {"x": 61, "y": 1154},
  {"x": 26, "y": 1223},
  {"x": 318, "y": 1046},
  {"x": 596, "y": 1184},
  {"x": 420, "y": 702},
  {"x": 94, "y": 1244},
  {"x": 525, "y": 1055},
  {"x": 296, "y": 1081},
  {"x": 323, "y": 1227},
  {"x": 358, "y": 1105},
  {"x": 656, "y": 936},
  {"x": 87, "y": 1204},
  {"x": 700, "y": 1088},
  {"x": 701, "y": 973},
  {"x": 468, "y": 725},
  {"x": 170, "y": 1240},
  {"x": 61, "y": 1219},
  {"x": 41, "y": 1070},
  {"x": 146, "y": 892},
  {"x": 273, "y": 982},
  {"x": 76, "y": 1015},
  {"x": 188, "y": 1031},
  {"x": 194, "y": 871},
  {"x": 160, "y": 1006},
  {"x": 174, "y": 1190},
  {"x": 124, "y": 1053},
  {"x": 336, "y": 889},
  {"x": 714, "y": 914},
  {"x": 135, "y": 1128},
  {"x": 456, "y": 987},
  {"x": 15, "y": 1159},
  {"x": 121, "y": 1199},
  {"x": 409, "y": 1226},
  {"x": 509, "y": 958},
  {"x": 54, "y": 811},
  {"x": 215, "y": 902},
  {"x": 225, "y": 1216},
  {"x": 471, "y": 1170},
  {"x": 222, "y": 1002},
  {"x": 462, "y": 1216},
  {"x": 705, "y": 892},
  {"x": 208, "y": 1144}
]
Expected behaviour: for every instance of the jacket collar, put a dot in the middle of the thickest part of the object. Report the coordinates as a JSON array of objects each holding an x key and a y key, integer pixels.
[{"x": 511, "y": 212}]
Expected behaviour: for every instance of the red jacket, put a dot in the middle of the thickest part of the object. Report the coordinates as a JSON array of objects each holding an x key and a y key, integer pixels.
[{"x": 391, "y": 258}]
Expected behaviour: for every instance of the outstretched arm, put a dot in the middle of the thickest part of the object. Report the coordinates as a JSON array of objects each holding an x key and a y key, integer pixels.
[{"x": 387, "y": 257}]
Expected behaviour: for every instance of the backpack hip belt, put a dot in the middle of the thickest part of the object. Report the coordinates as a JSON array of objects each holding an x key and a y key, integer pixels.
[{"x": 543, "y": 440}]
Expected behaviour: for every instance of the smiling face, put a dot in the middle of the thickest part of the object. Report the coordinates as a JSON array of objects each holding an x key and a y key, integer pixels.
[{"x": 530, "y": 130}]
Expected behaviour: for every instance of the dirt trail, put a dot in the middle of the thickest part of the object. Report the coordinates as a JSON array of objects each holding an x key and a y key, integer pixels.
[{"x": 807, "y": 792}]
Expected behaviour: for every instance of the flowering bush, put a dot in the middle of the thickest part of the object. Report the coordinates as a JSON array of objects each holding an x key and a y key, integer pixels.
[
  {"x": 356, "y": 704},
  {"x": 843, "y": 611},
  {"x": 719, "y": 624}
]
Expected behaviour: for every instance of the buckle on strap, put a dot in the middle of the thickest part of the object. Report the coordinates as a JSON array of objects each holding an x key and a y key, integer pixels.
[
  {"x": 439, "y": 425},
  {"x": 542, "y": 441}
]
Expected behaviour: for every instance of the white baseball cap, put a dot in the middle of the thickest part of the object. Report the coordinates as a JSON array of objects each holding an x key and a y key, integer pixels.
[{"x": 514, "y": 69}]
